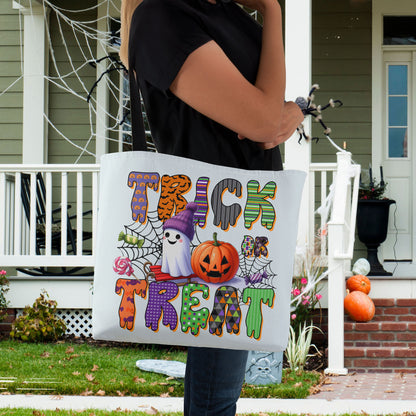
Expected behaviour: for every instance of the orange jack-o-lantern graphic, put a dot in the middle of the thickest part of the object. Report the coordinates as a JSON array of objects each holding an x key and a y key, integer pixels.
[{"x": 215, "y": 261}]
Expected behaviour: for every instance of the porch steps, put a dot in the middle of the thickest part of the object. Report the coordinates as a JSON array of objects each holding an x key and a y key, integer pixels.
[{"x": 386, "y": 344}]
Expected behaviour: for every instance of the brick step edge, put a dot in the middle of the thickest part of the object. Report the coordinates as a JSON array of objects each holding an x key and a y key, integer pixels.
[
  {"x": 381, "y": 352},
  {"x": 389, "y": 360},
  {"x": 392, "y": 303},
  {"x": 371, "y": 326}
]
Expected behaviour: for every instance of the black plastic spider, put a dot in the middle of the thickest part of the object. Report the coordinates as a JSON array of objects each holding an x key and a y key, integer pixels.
[{"x": 309, "y": 108}]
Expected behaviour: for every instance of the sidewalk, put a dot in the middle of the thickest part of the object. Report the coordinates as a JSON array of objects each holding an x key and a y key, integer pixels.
[
  {"x": 374, "y": 394},
  {"x": 369, "y": 386}
]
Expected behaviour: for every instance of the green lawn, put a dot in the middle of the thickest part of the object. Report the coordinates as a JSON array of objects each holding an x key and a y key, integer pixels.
[
  {"x": 57, "y": 412},
  {"x": 83, "y": 369}
]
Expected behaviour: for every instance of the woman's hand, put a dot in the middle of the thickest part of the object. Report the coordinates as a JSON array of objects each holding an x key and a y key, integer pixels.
[{"x": 292, "y": 116}]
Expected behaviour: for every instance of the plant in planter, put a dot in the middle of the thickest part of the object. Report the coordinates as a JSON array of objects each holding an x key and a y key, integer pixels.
[{"x": 372, "y": 220}]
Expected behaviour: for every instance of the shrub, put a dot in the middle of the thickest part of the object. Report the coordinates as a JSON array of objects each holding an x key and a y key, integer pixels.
[
  {"x": 298, "y": 347},
  {"x": 4, "y": 287},
  {"x": 39, "y": 322}
]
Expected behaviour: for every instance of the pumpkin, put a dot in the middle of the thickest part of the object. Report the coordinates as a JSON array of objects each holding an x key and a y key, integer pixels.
[
  {"x": 215, "y": 261},
  {"x": 360, "y": 283},
  {"x": 359, "y": 306}
]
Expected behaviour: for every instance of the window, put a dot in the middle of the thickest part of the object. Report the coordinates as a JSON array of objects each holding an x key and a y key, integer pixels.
[
  {"x": 399, "y": 30},
  {"x": 397, "y": 110}
]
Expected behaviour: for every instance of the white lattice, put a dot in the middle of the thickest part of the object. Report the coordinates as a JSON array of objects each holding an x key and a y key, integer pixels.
[{"x": 78, "y": 321}]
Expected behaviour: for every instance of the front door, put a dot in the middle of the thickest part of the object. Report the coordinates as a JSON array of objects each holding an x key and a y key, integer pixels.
[
  {"x": 393, "y": 125},
  {"x": 398, "y": 151}
]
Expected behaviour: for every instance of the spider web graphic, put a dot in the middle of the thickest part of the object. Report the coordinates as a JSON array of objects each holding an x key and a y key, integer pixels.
[
  {"x": 256, "y": 265},
  {"x": 151, "y": 250},
  {"x": 152, "y": 234}
]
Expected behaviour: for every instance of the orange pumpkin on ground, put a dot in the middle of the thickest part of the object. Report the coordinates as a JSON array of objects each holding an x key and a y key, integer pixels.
[
  {"x": 359, "y": 282},
  {"x": 215, "y": 261},
  {"x": 359, "y": 306}
]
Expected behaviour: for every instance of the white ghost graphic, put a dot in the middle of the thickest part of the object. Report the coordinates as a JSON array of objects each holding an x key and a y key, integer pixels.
[{"x": 176, "y": 253}]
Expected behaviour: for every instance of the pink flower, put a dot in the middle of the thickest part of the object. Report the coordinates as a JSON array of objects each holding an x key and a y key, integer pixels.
[
  {"x": 318, "y": 296},
  {"x": 293, "y": 316},
  {"x": 296, "y": 292},
  {"x": 3, "y": 272},
  {"x": 305, "y": 300},
  {"x": 122, "y": 265},
  {"x": 304, "y": 281}
]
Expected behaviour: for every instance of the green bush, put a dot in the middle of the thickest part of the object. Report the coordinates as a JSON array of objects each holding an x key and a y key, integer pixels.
[{"x": 39, "y": 322}]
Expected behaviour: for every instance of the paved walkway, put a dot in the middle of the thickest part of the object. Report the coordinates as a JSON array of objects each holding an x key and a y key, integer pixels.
[
  {"x": 371, "y": 394},
  {"x": 377, "y": 386}
]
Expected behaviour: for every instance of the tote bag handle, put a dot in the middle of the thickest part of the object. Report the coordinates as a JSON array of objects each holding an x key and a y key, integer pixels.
[{"x": 137, "y": 124}]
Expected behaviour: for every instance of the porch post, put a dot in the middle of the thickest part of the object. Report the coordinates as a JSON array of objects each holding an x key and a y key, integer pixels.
[
  {"x": 35, "y": 93},
  {"x": 298, "y": 51},
  {"x": 336, "y": 267},
  {"x": 102, "y": 122}
]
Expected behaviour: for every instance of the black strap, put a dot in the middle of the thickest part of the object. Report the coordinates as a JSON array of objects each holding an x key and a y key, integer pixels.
[{"x": 137, "y": 124}]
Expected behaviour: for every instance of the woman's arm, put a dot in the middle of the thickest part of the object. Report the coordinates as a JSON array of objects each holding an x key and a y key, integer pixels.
[{"x": 209, "y": 82}]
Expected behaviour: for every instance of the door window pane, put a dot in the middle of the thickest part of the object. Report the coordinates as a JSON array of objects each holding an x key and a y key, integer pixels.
[
  {"x": 397, "y": 142},
  {"x": 398, "y": 79},
  {"x": 397, "y": 110}
]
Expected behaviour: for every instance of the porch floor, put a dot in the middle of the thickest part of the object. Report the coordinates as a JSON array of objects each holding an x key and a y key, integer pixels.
[{"x": 368, "y": 386}]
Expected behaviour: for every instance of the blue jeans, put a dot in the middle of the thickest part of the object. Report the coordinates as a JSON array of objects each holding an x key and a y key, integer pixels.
[{"x": 213, "y": 381}]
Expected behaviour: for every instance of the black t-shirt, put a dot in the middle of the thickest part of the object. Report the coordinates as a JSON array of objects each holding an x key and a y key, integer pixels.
[{"x": 162, "y": 35}]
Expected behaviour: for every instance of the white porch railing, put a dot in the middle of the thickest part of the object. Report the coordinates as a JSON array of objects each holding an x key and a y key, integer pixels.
[
  {"x": 33, "y": 237},
  {"x": 341, "y": 236}
]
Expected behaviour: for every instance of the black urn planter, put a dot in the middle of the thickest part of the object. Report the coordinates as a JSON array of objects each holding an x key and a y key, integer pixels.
[{"x": 372, "y": 224}]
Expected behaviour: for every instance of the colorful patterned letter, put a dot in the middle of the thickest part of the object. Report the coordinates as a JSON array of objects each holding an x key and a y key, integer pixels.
[
  {"x": 160, "y": 295},
  {"x": 172, "y": 189},
  {"x": 201, "y": 198},
  {"x": 254, "y": 318},
  {"x": 225, "y": 296},
  {"x": 225, "y": 215},
  {"x": 140, "y": 181},
  {"x": 127, "y": 309},
  {"x": 191, "y": 318},
  {"x": 256, "y": 199}
]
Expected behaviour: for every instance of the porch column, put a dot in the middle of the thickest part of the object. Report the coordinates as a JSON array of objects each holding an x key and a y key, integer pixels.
[
  {"x": 298, "y": 51},
  {"x": 102, "y": 122},
  {"x": 35, "y": 92}
]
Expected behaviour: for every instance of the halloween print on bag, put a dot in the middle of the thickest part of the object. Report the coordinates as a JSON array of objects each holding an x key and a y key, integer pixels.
[{"x": 165, "y": 251}]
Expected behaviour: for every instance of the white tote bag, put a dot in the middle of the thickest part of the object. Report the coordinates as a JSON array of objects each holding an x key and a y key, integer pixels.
[{"x": 194, "y": 254}]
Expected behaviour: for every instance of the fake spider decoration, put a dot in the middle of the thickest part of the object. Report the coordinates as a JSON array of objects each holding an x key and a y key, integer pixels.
[{"x": 309, "y": 108}]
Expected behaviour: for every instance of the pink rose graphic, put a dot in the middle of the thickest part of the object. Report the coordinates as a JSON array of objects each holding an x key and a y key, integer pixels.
[{"x": 122, "y": 265}]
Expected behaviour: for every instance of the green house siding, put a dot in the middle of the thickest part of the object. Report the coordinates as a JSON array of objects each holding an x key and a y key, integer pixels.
[
  {"x": 68, "y": 113},
  {"x": 11, "y": 102},
  {"x": 341, "y": 65}
]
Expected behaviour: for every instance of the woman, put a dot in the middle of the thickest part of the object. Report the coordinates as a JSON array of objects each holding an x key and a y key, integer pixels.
[{"x": 213, "y": 83}]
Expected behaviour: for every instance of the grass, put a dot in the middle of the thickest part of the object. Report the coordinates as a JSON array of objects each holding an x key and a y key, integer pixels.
[
  {"x": 82, "y": 369},
  {"x": 58, "y": 412}
]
